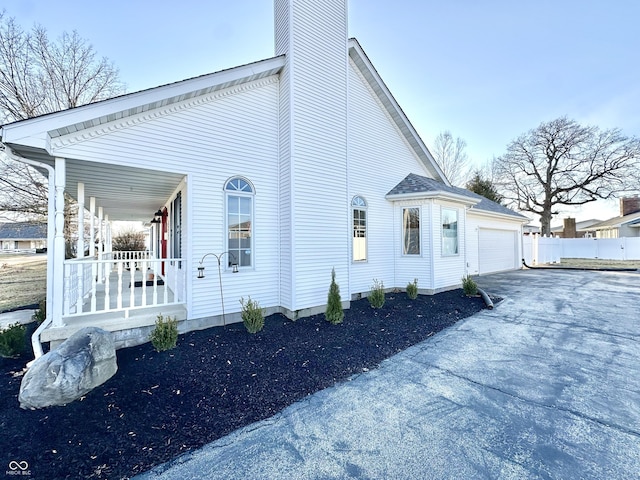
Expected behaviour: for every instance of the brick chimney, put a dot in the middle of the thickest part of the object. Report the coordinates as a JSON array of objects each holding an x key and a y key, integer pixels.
[
  {"x": 629, "y": 205},
  {"x": 569, "y": 230}
]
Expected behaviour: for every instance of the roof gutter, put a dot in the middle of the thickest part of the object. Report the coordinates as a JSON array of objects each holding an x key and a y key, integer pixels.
[
  {"x": 35, "y": 338},
  {"x": 438, "y": 194}
]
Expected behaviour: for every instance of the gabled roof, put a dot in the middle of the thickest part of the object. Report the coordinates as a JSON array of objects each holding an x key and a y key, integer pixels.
[
  {"x": 32, "y": 137},
  {"x": 368, "y": 71},
  {"x": 632, "y": 220},
  {"x": 23, "y": 231},
  {"x": 36, "y": 132},
  {"x": 416, "y": 186}
]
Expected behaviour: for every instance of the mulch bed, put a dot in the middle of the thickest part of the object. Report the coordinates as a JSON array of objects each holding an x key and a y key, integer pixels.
[{"x": 161, "y": 405}]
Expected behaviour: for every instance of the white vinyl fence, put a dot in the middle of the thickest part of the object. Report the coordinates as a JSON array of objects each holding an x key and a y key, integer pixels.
[{"x": 538, "y": 250}]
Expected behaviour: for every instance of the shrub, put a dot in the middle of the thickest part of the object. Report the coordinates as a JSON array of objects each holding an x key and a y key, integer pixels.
[
  {"x": 469, "y": 286},
  {"x": 334, "y": 313},
  {"x": 41, "y": 313},
  {"x": 252, "y": 315},
  {"x": 376, "y": 296},
  {"x": 165, "y": 335},
  {"x": 12, "y": 340},
  {"x": 412, "y": 289}
]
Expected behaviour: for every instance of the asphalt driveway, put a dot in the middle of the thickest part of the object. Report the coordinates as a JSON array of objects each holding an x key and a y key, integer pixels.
[{"x": 547, "y": 385}]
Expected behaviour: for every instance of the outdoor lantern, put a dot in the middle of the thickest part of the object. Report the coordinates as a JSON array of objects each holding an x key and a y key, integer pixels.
[
  {"x": 201, "y": 272},
  {"x": 158, "y": 213},
  {"x": 234, "y": 268}
]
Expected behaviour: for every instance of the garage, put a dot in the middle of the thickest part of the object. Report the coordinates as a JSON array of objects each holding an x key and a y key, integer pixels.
[{"x": 497, "y": 250}]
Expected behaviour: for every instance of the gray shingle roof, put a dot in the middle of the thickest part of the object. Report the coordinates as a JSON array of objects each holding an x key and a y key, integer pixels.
[
  {"x": 23, "y": 231},
  {"x": 413, "y": 183}
]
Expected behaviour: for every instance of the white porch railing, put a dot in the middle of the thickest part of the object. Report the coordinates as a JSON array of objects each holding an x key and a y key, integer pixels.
[{"x": 121, "y": 281}]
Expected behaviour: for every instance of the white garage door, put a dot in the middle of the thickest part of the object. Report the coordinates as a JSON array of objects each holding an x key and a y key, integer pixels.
[{"x": 497, "y": 250}]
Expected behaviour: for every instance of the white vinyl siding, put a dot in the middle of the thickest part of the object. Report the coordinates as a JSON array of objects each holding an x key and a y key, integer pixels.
[
  {"x": 209, "y": 143},
  {"x": 374, "y": 139},
  {"x": 314, "y": 132}
]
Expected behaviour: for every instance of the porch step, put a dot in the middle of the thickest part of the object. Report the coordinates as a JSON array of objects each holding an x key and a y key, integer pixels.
[{"x": 114, "y": 321}]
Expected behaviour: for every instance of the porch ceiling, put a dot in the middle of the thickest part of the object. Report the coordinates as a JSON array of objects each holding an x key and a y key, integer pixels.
[{"x": 125, "y": 193}]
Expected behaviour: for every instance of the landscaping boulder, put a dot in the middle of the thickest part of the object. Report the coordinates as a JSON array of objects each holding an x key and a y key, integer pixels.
[{"x": 81, "y": 363}]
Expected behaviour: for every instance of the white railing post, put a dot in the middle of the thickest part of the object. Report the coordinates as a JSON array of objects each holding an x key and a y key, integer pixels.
[
  {"x": 155, "y": 283},
  {"x": 132, "y": 284},
  {"x": 107, "y": 291},
  {"x": 94, "y": 281},
  {"x": 67, "y": 290},
  {"x": 144, "y": 283},
  {"x": 119, "y": 292}
]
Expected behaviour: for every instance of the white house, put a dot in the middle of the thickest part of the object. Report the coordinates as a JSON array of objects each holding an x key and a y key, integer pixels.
[{"x": 284, "y": 169}]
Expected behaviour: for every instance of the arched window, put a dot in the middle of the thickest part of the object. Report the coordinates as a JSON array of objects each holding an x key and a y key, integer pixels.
[
  {"x": 359, "y": 240},
  {"x": 239, "y": 199}
]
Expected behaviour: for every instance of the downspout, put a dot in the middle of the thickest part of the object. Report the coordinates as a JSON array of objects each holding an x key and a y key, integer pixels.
[{"x": 35, "y": 338}]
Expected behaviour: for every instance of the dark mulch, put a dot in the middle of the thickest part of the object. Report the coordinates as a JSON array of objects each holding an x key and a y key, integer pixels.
[{"x": 161, "y": 405}]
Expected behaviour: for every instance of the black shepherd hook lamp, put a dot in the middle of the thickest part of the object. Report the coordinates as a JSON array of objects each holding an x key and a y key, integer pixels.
[{"x": 234, "y": 269}]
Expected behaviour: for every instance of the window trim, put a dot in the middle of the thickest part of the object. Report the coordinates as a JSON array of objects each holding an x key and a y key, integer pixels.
[
  {"x": 359, "y": 203},
  {"x": 442, "y": 230},
  {"x": 248, "y": 191},
  {"x": 403, "y": 232},
  {"x": 176, "y": 228}
]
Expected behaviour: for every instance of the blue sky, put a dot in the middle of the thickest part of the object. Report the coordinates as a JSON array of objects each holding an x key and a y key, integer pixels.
[{"x": 485, "y": 70}]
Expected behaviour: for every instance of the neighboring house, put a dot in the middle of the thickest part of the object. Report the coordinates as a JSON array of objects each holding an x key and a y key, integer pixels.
[
  {"x": 284, "y": 169},
  {"x": 23, "y": 236},
  {"x": 627, "y": 224},
  {"x": 573, "y": 229}
]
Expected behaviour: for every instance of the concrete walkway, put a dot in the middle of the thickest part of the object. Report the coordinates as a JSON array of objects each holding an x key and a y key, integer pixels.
[{"x": 547, "y": 385}]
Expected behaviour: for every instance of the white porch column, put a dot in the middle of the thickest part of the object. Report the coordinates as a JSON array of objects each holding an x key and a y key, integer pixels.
[
  {"x": 100, "y": 243},
  {"x": 80, "y": 245},
  {"x": 107, "y": 244},
  {"x": 58, "y": 244},
  {"x": 92, "y": 233}
]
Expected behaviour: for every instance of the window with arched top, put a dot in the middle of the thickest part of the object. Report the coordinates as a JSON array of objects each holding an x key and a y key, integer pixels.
[
  {"x": 359, "y": 240},
  {"x": 239, "y": 201}
]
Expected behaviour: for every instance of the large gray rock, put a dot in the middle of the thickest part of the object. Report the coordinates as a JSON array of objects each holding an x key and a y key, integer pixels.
[{"x": 79, "y": 364}]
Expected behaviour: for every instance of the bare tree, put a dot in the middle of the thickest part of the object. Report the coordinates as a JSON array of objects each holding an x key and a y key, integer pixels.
[
  {"x": 564, "y": 163},
  {"x": 451, "y": 157},
  {"x": 38, "y": 76}
]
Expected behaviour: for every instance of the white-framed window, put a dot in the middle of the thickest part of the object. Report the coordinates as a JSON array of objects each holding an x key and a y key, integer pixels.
[
  {"x": 411, "y": 231},
  {"x": 449, "y": 231},
  {"x": 176, "y": 228},
  {"x": 359, "y": 239},
  {"x": 239, "y": 200}
]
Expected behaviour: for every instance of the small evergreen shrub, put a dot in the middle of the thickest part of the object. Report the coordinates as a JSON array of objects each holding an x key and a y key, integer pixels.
[
  {"x": 12, "y": 340},
  {"x": 412, "y": 289},
  {"x": 376, "y": 296},
  {"x": 334, "y": 313},
  {"x": 165, "y": 334},
  {"x": 41, "y": 313},
  {"x": 469, "y": 286},
  {"x": 252, "y": 315}
]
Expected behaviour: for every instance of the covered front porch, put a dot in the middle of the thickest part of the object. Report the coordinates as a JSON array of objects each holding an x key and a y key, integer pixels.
[{"x": 90, "y": 284}]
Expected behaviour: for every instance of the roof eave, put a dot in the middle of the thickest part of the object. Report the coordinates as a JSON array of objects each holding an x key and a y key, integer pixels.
[
  {"x": 35, "y": 132},
  {"x": 503, "y": 216},
  {"x": 432, "y": 195}
]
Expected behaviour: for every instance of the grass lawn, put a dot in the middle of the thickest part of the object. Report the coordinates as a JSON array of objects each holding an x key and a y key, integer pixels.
[
  {"x": 598, "y": 263},
  {"x": 23, "y": 280}
]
